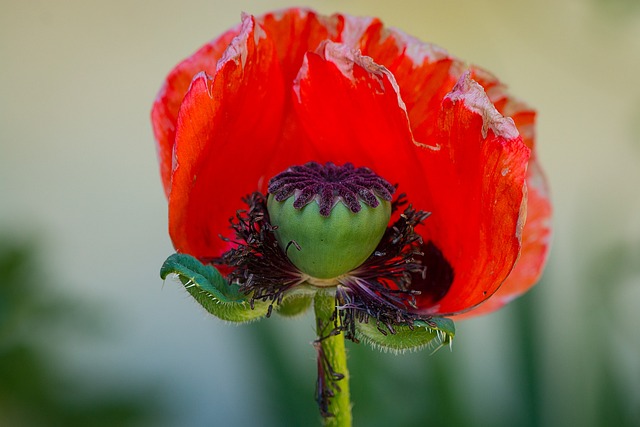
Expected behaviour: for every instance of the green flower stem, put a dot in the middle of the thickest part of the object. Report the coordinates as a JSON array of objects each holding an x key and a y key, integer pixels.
[{"x": 334, "y": 352}]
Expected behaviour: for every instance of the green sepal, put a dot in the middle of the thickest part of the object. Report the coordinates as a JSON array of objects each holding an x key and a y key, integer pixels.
[
  {"x": 212, "y": 291},
  {"x": 294, "y": 305},
  {"x": 434, "y": 332}
]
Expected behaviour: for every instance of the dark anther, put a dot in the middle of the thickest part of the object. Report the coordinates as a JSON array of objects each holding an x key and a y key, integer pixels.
[
  {"x": 260, "y": 267},
  {"x": 294, "y": 243}
]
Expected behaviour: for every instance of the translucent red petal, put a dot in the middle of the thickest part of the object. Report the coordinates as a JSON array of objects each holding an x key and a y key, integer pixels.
[
  {"x": 164, "y": 114},
  {"x": 475, "y": 188},
  {"x": 227, "y": 126}
]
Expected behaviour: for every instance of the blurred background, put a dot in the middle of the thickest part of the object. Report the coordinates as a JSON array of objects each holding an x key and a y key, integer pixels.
[{"x": 90, "y": 335}]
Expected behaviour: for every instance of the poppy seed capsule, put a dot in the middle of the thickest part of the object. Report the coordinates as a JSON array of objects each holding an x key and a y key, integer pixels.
[{"x": 329, "y": 218}]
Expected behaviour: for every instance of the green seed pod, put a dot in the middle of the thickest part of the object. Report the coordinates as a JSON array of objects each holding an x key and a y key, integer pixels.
[{"x": 325, "y": 247}]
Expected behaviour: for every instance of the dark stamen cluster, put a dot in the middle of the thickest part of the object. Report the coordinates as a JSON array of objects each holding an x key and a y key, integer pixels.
[
  {"x": 380, "y": 287},
  {"x": 329, "y": 184},
  {"x": 261, "y": 269}
]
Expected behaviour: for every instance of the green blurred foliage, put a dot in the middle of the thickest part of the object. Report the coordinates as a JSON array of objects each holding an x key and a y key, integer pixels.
[
  {"x": 417, "y": 389},
  {"x": 33, "y": 391},
  {"x": 614, "y": 271}
]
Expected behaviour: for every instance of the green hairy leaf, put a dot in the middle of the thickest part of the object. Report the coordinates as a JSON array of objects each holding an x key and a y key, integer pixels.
[
  {"x": 435, "y": 332},
  {"x": 212, "y": 291}
]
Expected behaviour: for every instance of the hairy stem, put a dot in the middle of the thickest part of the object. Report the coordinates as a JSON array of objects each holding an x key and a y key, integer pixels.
[{"x": 333, "y": 377}]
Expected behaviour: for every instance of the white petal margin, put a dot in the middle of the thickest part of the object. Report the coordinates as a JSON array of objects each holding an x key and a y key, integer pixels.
[
  {"x": 354, "y": 28},
  {"x": 237, "y": 49},
  {"x": 474, "y": 97},
  {"x": 418, "y": 51}
]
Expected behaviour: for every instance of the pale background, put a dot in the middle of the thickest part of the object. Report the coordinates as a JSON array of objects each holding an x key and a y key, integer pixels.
[{"x": 78, "y": 176}]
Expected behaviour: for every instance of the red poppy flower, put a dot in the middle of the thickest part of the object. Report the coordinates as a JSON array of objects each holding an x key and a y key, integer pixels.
[{"x": 292, "y": 87}]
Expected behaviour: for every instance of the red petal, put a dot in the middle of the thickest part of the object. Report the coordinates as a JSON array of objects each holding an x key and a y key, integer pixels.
[
  {"x": 227, "y": 128},
  {"x": 536, "y": 238},
  {"x": 296, "y": 32},
  {"x": 164, "y": 114},
  {"x": 425, "y": 72},
  {"x": 350, "y": 110},
  {"x": 475, "y": 188}
]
